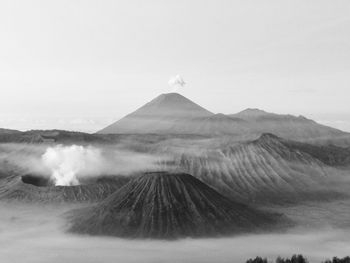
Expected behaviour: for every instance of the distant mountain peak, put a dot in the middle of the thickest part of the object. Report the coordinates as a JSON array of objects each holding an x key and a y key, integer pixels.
[
  {"x": 162, "y": 114},
  {"x": 171, "y": 105},
  {"x": 172, "y": 113},
  {"x": 253, "y": 110},
  {"x": 252, "y": 113},
  {"x": 172, "y": 95},
  {"x": 175, "y": 103},
  {"x": 169, "y": 97}
]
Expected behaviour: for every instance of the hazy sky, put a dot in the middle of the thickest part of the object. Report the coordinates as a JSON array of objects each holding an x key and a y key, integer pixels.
[{"x": 82, "y": 64}]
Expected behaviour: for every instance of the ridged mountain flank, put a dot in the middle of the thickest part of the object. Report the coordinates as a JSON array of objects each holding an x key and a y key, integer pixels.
[
  {"x": 166, "y": 206},
  {"x": 269, "y": 169}
]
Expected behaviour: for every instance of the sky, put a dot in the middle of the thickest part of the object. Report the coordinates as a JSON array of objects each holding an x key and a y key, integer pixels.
[{"x": 80, "y": 65}]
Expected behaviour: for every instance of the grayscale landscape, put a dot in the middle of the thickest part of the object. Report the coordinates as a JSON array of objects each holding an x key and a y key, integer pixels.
[
  {"x": 173, "y": 196},
  {"x": 242, "y": 155}
]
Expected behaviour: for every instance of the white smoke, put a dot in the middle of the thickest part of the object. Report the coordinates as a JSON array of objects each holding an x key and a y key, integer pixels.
[
  {"x": 176, "y": 82},
  {"x": 72, "y": 164},
  {"x": 67, "y": 162}
]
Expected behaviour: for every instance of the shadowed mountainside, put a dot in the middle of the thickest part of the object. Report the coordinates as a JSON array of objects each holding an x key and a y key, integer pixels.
[
  {"x": 269, "y": 169},
  {"x": 328, "y": 154},
  {"x": 166, "y": 206}
]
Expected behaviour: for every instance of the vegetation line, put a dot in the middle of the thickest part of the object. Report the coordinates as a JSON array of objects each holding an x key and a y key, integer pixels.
[{"x": 297, "y": 259}]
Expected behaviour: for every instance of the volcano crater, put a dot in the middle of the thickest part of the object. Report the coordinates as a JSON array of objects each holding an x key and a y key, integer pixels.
[{"x": 41, "y": 188}]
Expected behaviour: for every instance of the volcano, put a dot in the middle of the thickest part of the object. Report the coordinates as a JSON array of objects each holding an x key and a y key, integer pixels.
[
  {"x": 168, "y": 113},
  {"x": 172, "y": 113},
  {"x": 166, "y": 206}
]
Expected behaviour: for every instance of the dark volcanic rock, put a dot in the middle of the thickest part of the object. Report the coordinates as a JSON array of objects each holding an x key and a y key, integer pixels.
[{"x": 166, "y": 206}]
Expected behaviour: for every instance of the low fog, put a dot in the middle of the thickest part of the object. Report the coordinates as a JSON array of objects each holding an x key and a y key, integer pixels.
[
  {"x": 68, "y": 165},
  {"x": 37, "y": 234}
]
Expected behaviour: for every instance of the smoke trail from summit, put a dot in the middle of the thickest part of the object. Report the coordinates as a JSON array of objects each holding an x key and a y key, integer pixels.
[{"x": 176, "y": 82}]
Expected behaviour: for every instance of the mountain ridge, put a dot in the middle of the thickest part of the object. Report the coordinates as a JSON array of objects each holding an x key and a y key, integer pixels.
[
  {"x": 172, "y": 113},
  {"x": 268, "y": 169}
]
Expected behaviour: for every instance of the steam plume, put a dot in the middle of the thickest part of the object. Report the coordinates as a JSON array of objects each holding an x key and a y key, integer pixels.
[
  {"x": 66, "y": 162},
  {"x": 176, "y": 82}
]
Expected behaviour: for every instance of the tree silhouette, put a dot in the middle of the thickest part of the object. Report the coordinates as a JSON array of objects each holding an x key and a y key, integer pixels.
[
  {"x": 293, "y": 259},
  {"x": 257, "y": 260},
  {"x": 338, "y": 260}
]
